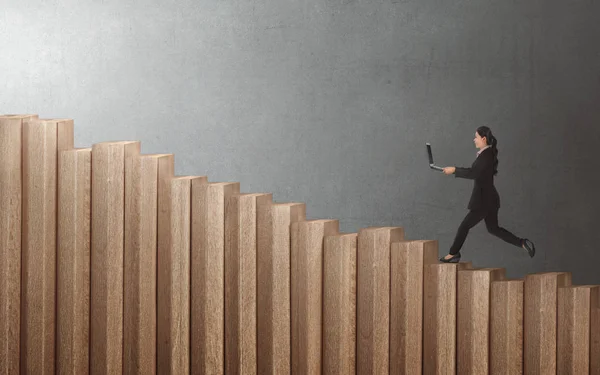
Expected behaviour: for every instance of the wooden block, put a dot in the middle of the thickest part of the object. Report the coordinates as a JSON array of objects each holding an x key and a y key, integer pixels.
[
  {"x": 73, "y": 263},
  {"x": 42, "y": 140},
  {"x": 165, "y": 176},
  {"x": 408, "y": 259},
  {"x": 439, "y": 317},
  {"x": 307, "y": 292},
  {"x": 273, "y": 319},
  {"x": 174, "y": 279},
  {"x": 208, "y": 276},
  {"x": 339, "y": 304},
  {"x": 540, "y": 314},
  {"x": 11, "y": 128},
  {"x": 506, "y": 330},
  {"x": 373, "y": 298},
  {"x": 240, "y": 281},
  {"x": 595, "y": 334},
  {"x": 139, "y": 305},
  {"x": 473, "y": 318},
  {"x": 573, "y": 341},
  {"x": 108, "y": 216}
]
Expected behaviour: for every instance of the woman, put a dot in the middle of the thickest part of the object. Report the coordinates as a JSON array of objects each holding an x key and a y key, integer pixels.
[{"x": 485, "y": 201}]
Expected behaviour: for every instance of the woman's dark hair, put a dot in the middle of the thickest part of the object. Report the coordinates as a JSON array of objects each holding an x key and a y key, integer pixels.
[{"x": 486, "y": 132}]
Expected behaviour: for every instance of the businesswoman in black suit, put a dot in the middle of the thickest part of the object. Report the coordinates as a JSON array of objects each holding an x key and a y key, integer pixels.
[{"x": 485, "y": 201}]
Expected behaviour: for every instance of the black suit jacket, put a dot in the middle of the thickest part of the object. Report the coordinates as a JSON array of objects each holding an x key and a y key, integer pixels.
[{"x": 484, "y": 195}]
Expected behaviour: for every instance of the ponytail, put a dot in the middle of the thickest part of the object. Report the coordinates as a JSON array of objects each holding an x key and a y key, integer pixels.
[
  {"x": 495, "y": 150},
  {"x": 486, "y": 132}
]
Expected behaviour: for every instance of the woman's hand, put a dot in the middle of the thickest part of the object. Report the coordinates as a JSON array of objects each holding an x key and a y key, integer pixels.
[{"x": 449, "y": 170}]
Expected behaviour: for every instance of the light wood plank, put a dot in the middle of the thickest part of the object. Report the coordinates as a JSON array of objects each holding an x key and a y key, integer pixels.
[
  {"x": 573, "y": 326},
  {"x": 439, "y": 317},
  {"x": 139, "y": 308},
  {"x": 175, "y": 280},
  {"x": 595, "y": 334},
  {"x": 42, "y": 140},
  {"x": 339, "y": 304},
  {"x": 208, "y": 275},
  {"x": 73, "y": 265},
  {"x": 273, "y": 320},
  {"x": 240, "y": 281},
  {"x": 11, "y": 128},
  {"x": 540, "y": 320},
  {"x": 473, "y": 319},
  {"x": 307, "y": 292},
  {"x": 506, "y": 342},
  {"x": 165, "y": 173},
  {"x": 108, "y": 216},
  {"x": 408, "y": 259},
  {"x": 373, "y": 298}
]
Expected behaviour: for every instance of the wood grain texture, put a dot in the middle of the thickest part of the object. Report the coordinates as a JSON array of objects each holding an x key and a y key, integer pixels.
[
  {"x": 473, "y": 319},
  {"x": 339, "y": 304},
  {"x": 373, "y": 298},
  {"x": 42, "y": 140},
  {"x": 408, "y": 259},
  {"x": 240, "y": 281},
  {"x": 273, "y": 319},
  {"x": 439, "y": 317},
  {"x": 540, "y": 320},
  {"x": 208, "y": 275},
  {"x": 11, "y": 128},
  {"x": 573, "y": 317},
  {"x": 73, "y": 261},
  {"x": 108, "y": 216},
  {"x": 165, "y": 176},
  {"x": 595, "y": 333},
  {"x": 139, "y": 305},
  {"x": 307, "y": 292},
  {"x": 506, "y": 340},
  {"x": 173, "y": 285}
]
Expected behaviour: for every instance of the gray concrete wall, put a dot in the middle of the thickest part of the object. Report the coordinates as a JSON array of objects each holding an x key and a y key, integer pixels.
[{"x": 331, "y": 103}]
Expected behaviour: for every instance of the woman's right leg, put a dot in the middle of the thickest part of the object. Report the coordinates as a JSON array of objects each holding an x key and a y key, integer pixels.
[
  {"x": 491, "y": 223},
  {"x": 472, "y": 218}
]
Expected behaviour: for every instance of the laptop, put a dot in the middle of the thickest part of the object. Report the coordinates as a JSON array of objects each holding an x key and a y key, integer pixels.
[{"x": 430, "y": 155}]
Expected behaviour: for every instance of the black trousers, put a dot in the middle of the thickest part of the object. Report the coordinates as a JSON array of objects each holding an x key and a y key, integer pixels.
[{"x": 491, "y": 222}]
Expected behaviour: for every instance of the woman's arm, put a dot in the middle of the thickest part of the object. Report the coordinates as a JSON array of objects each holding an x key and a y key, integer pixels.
[{"x": 473, "y": 172}]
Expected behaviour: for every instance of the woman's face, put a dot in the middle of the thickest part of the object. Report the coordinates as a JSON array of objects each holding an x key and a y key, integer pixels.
[{"x": 479, "y": 142}]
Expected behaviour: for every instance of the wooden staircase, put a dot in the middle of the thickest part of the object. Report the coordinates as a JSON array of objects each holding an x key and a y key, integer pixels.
[{"x": 111, "y": 264}]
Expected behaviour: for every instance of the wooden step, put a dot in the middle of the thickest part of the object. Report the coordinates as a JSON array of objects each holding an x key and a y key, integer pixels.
[
  {"x": 273, "y": 304},
  {"x": 140, "y": 259},
  {"x": 11, "y": 130},
  {"x": 173, "y": 282},
  {"x": 408, "y": 259},
  {"x": 573, "y": 325},
  {"x": 595, "y": 334},
  {"x": 439, "y": 317},
  {"x": 42, "y": 140},
  {"x": 506, "y": 330},
  {"x": 73, "y": 260},
  {"x": 540, "y": 320},
  {"x": 474, "y": 305},
  {"x": 373, "y": 298},
  {"x": 339, "y": 304},
  {"x": 240, "y": 281},
  {"x": 209, "y": 205},
  {"x": 307, "y": 292},
  {"x": 107, "y": 247}
]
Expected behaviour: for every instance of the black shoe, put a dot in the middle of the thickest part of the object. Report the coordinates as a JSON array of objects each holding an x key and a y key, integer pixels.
[
  {"x": 455, "y": 259},
  {"x": 529, "y": 246}
]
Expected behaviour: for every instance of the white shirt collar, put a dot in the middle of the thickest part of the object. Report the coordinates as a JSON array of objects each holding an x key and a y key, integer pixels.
[{"x": 480, "y": 151}]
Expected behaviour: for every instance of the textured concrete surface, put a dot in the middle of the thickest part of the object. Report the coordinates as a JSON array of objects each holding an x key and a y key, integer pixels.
[{"x": 331, "y": 103}]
